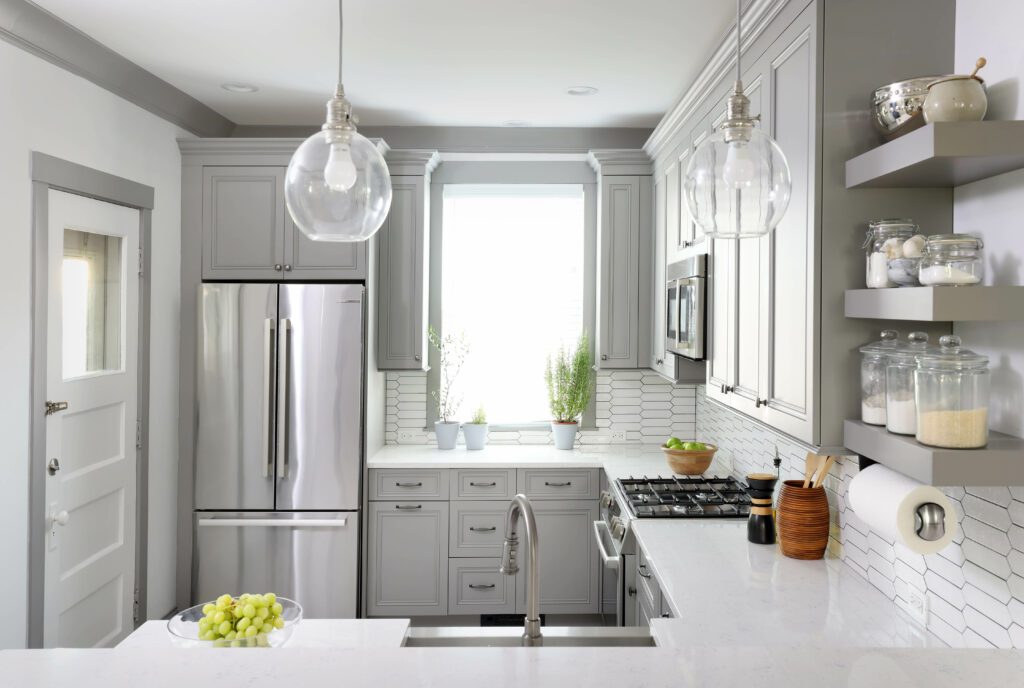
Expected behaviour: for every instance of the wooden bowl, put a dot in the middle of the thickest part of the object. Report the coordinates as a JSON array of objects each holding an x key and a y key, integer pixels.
[
  {"x": 689, "y": 462},
  {"x": 803, "y": 520}
]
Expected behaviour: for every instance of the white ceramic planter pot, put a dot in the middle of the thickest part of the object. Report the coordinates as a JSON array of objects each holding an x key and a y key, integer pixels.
[
  {"x": 447, "y": 434},
  {"x": 957, "y": 99},
  {"x": 565, "y": 434},
  {"x": 475, "y": 434}
]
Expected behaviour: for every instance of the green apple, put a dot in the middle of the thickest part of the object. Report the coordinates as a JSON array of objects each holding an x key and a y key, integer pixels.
[
  {"x": 674, "y": 443},
  {"x": 694, "y": 446}
]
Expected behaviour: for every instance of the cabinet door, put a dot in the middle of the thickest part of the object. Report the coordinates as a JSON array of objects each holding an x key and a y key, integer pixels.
[
  {"x": 618, "y": 277},
  {"x": 659, "y": 359},
  {"x": 243, "y": 222},
  {"x": 569, "y": 561},
  {"x": 674, "y": 229},
  {"x": 306, "y": 259},
  {"x": 720, "y": 342},
  {"x": 789, "y": 359},
  {"x": 401, "y": 278},
  {"x": 407, "y": 559}
]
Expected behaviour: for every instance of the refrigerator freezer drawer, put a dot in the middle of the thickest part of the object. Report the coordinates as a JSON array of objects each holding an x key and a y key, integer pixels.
[{"x": 311, "y": 557}]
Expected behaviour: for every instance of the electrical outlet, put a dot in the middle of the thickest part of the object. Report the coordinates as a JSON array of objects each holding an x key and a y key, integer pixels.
[
  {"x": 619, "y": 436},
  {"x": 917, "y": 605}
]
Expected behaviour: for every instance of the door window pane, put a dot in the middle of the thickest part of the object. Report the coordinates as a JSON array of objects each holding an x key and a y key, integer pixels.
[{"x": 92, "y": 303}]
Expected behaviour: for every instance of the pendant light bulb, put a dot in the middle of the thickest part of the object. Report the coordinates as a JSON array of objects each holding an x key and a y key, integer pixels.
[
  {"x": 340, "y": 172},
  {"x": 740, "y": 168}
]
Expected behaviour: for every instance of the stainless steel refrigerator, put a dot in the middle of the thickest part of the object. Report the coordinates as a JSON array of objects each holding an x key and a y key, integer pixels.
[{"x": 278, "y": 455}]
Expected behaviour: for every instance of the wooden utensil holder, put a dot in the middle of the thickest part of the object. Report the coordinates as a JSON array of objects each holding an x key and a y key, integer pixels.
[{"x": 802, "y": 517}]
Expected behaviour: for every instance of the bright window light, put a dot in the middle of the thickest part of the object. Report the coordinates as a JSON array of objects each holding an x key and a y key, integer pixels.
[
  {"x": 512, "y": 281},
  {"x": 75, "y": 322}
]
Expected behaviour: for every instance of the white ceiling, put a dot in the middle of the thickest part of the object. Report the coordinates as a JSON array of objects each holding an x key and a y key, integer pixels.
[{"x": 418, "y": 62}]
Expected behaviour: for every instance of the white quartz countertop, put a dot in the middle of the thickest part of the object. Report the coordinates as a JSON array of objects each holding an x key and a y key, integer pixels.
[{"x": 309, "y": 634}]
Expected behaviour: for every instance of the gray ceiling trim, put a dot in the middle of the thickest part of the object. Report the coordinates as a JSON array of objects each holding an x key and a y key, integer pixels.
[{"x": 37, "y": 31}]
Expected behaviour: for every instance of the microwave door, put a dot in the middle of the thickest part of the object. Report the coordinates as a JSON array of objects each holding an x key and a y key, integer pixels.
[
  {"x": 691, "y": 318},
  {"x": 672, "y": 317}
]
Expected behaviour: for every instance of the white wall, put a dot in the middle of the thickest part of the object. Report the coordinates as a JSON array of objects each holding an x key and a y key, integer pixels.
[
  {"x": 46, "y": 109},
  {"x": 992, "y": 208}
]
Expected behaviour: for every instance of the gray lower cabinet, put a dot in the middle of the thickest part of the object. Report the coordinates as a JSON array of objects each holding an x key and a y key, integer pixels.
[
  {"x": 476, "y": 529},
  {"x": 475, "y": 586},
  {"x": 407, "y": 559},
  {"x": 569, "y": 571},
  {"x": 248, "y": 233}
]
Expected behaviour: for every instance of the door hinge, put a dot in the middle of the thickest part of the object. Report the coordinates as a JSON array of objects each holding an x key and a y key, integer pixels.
[
  {"x": 138, "y": 433},
  {"x": 140, "y": 261},
  {"x": 135, "y": 605}
]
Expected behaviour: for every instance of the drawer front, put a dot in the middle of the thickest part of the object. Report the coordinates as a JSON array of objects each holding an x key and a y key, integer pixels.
[
  {"x": 647, "y": 584},
  {"x": 421, "y": 484},
  {"x": 499, "y": 483},
  {"x": 476, "y": 587},
  {"x": 569, "y": 483},
  {"x": 477, "y": 529}
]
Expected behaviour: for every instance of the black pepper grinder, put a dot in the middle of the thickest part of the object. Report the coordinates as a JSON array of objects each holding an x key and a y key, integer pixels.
[{"x": 761, "y": 488}]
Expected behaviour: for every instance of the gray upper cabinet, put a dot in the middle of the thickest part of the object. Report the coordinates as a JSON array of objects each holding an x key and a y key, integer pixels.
[
  {"x": 407, "y": 559},
  {"x": 401, "y": 277},
  {"x": 248, "y": 233}
]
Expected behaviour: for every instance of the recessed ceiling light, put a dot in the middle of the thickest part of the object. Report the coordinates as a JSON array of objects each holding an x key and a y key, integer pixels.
[
  {"x": 581, "y": 91},
  {"x": 237, "y": 87},
  {"x": 515, "y": 123}
]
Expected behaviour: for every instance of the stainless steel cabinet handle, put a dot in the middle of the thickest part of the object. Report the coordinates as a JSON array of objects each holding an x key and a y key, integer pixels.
[
  {"x": 287, "y": 268},
  {"x": 481, "y": 586},
  {"x": 482, "y": 529},
  {"x": 277, "y": 266},
  {"x": 408, "y": 507},
  {"x": 273, "y": 522},
  {"x": 408, "y": 484},
  {"x": 666, "y": 615},
  {"x": 283, "y": 375},
  {"x": 268, "y": 397},
  {"x": 631, "y": 591},
  {"x": 472, "y": 484},
  {"x": 565, "y": 484},
  {"x": 642, "y": 570}
]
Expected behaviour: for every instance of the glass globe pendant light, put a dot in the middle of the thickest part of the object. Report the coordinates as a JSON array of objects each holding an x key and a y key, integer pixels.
[
  {"x": 737, "y": 182},
  {"x": 338, "y": 187}
]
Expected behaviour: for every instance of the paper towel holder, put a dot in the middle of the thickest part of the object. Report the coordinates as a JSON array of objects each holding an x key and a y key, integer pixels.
[{"x": 930, "y": 521}]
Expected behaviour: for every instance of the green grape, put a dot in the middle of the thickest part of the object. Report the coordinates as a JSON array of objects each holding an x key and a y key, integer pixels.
[
  {"x": 271, "y": 599},
  {"x": 230, "y": 635},
  {"x": 236, "y": 643},
  {"x": 224, "y": 628},
  {"x": 261, "y": 641},
  {"x": 278, "y": 622},
  {"x": 224, "y": 600},
  {"x": 263, "y": 612},
  {"x": 249, "y": 611},
  {"x": 219, "y": 617},
  {"x": 250, "y": 632},
  {"x": 267, "y": 628},
  {"x": 207, "y": 608},
  {"x": 209, "y": 635},
  {"x": 259, "y": 601},
  {"x": 276, "y": 609},
  {"x": 237, "y": 611},
  {"x": 204, "y": 625},
  {"x": 243, "y": 623}
]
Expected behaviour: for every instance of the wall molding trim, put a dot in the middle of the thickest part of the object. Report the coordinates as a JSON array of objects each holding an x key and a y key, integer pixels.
[
  {"x": 46, "y": 36},
  {"x": 412, "y": 162},
  {"x": 620, "y": 161}
]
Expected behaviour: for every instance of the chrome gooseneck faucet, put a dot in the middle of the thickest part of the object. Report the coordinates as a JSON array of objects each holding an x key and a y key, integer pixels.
[{"x": 521, "y": 507}]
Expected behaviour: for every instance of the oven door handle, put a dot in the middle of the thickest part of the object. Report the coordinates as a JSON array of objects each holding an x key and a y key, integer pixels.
[{"x": 609, "y": 561}]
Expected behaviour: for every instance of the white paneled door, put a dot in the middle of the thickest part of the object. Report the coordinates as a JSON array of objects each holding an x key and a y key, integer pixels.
[{"x": 91, "y": 387}]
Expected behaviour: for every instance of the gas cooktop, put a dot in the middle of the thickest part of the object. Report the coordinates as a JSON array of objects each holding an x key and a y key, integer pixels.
[{"x": 685, "y": 497}]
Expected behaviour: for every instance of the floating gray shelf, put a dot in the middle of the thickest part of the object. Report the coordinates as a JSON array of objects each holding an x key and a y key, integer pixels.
[
  {"x": 1000, "y": 463},
  {"x": 937, "y": 304},
  {"x": 941, "y": 154}
]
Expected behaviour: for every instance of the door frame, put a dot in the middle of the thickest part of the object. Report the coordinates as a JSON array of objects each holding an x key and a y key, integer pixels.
[{"x": 48, "y": 172}]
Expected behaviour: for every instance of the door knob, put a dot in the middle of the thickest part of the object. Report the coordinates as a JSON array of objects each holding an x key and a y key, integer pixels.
[
  {"x": 53, "y": 466},
  {"x": 61, "y": 518}
]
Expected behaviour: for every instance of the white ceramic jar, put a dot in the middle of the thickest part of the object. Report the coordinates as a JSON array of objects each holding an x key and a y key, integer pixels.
[{"x": 955, "y": 99}]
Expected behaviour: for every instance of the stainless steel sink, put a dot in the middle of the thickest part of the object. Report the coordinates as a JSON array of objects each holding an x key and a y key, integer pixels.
[{"x": 554, "y": 636}]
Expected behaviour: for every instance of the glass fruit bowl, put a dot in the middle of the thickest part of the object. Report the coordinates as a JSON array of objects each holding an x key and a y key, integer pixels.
[{"x": 184, "y": 628}]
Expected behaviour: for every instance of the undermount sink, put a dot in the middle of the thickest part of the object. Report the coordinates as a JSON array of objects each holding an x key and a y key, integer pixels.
[{"x": 508, "y": 636}]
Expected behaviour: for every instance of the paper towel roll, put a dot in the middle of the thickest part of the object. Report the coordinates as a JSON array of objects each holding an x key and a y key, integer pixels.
[{"x": 888, "y": 501}]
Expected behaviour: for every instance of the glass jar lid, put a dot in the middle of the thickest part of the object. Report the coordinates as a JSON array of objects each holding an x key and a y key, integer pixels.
[
  {"x": 892, "y": 223},
  {"x": 953, "y": 242},
  {"x": 889, "y": 227},
  {"x": 907, "y": 353},
  {"x": 950, "y": 356},
  {"x": 888, "y": 342}
]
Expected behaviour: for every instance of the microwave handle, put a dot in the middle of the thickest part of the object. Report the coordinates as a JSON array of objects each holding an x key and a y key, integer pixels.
[{"x": 679, "y": 312}]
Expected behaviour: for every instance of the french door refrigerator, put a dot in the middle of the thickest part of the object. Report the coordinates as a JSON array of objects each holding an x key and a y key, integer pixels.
[{"x": 279, "y": 443}]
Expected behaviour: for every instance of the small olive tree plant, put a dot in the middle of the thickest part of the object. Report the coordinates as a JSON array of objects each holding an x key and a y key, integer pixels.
[
  {"x": 453, "y": 351},
  {"x": 570, "y": 379}
]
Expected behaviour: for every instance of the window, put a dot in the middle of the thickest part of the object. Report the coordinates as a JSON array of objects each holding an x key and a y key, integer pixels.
[{"x": 513, "y": 283}]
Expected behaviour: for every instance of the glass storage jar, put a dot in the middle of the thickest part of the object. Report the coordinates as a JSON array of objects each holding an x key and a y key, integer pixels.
[
  {"x": 872, "y": 377},
  {"x": 885, "y": 240},
  {"x": 952, "y": 393},
  {"x": 955, "y": 260},
  {"x": 900, "y": 407}
]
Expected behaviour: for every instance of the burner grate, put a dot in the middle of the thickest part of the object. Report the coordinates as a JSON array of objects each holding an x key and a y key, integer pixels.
[{"x": 676, "y": 497}]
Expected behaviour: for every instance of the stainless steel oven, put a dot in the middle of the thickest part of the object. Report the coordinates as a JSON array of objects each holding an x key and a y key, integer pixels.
[
  {"x": 686, "y": 295},
  {"x": 618, "y": 560}
]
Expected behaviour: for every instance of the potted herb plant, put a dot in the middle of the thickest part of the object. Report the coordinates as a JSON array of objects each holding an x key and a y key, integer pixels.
[
  {"x": 570, "y": 380},
  {"x": 475, "y": 431},
  {"x": 452, "y": 352}
]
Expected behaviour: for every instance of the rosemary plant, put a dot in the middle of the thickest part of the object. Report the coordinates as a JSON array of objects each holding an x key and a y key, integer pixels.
[
  {"x": 453, "y": 351},
  {"x": 570, "y": 379}
]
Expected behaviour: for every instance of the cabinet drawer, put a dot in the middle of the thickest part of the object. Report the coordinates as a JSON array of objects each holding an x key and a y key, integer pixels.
[
  {"x": 647, "y": 584},
  {"x": 569, "y": 483},
  {"x": 476, "y": 587},
  {"x": 477, "y": 529},
  {"x": 497, "y": 483},
  {"x": 430, "y": 484}
]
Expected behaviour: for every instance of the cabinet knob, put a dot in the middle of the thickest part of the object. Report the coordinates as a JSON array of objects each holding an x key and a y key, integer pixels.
[
  {"x": 604, "y": 357},
  {"x": 416, "y": 357},
  {"x": 287, "y": 268},
  {"x": 758, "y": 403},
  {"x": 660, "y": 361},
  {"x": 277, "y": 267}
]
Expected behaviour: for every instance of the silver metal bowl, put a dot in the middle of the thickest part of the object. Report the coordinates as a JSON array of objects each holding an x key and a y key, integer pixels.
[{"x": 896, "y": 108}]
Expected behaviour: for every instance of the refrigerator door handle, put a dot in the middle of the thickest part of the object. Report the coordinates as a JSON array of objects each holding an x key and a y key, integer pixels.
[
  {"x": 275, "y": 522},
  {"x": 283, "y": 381},
  {"x": 268, "y": 397}
]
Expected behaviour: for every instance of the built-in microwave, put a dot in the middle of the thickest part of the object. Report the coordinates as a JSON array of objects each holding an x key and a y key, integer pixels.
[{"x": 685, "y": 300}]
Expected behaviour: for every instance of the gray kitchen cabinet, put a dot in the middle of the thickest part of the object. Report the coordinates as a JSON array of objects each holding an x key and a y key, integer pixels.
[
  {"x": 660, "y": 360},
  {"x": 569, "y": 567},
  {"x": 402, "y": 252},
  {"x": 407, "y": 559},
  {"x": 248, "y": 233},
  {"x": 476, "y": 586},
  {"x": 477, "y": 529},
  {"x": 560, "y": 483}
]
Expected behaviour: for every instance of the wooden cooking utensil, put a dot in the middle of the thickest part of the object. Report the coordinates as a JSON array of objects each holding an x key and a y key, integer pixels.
[
  {"x": 810, "y": 467},
  {"x": 825, "y": 468},
  {"x": 978, "y": 65}
]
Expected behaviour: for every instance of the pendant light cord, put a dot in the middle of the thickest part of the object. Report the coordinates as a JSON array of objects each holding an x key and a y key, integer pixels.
[
  {"x": 738, "y": 38},
  {"x": 341, "y": 37}
]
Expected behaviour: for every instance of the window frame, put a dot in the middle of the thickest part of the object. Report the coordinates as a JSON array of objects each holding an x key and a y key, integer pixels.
[{"x": 512, "y": 172}]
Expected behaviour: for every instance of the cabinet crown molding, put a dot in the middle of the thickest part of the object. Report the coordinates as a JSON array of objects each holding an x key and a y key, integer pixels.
[
  {"x": 195, "y": 150},
  {"x": 412, "y": 161},
  {"x": 620, "y": 161}
]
